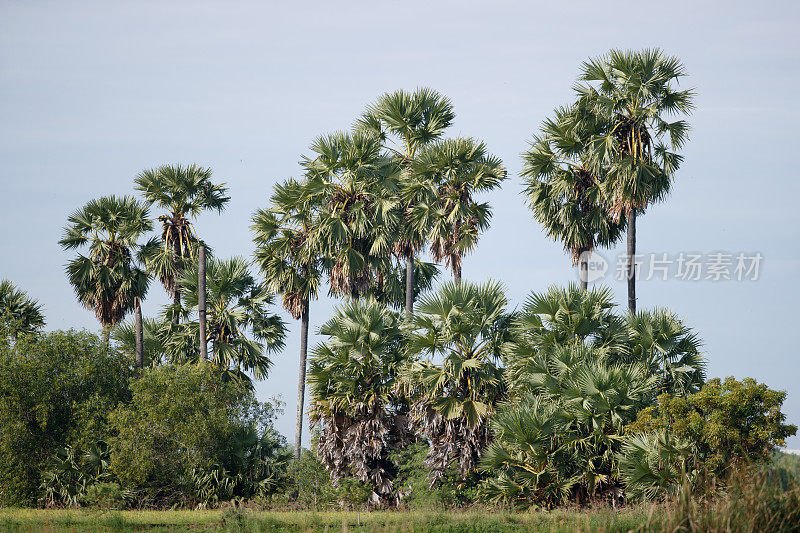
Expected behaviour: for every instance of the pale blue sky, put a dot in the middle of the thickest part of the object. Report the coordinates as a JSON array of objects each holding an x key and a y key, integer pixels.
[{"x": 93, "y": 92}]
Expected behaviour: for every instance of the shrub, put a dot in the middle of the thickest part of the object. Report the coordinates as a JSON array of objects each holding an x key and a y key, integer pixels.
[
  {"x": 730, "y": 422},
  {"x": 56, "y": 391},
  {"x": 188, "y": 436},
  {"x": 414, "y": 489}
]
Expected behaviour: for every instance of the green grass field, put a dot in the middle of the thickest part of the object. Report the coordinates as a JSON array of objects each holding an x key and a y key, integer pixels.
[{"x": 378, "y": 521}]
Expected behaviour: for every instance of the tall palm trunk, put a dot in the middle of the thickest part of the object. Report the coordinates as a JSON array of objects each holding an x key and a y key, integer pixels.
[
  {"x": 457, "y": 275},
  {"x": 301, "y": 382},
  {"x": 410, "y": 284},
  {"x": 176, "y": 302},
  {"x": 176, "y": 296},
  {"x": 201, "y": 301},
  {"x": 105, "y": 336},
  {"x": 583, "y": 272},
  {"x": 632, "y": 261},
  {"x": 137, "y": 318}
]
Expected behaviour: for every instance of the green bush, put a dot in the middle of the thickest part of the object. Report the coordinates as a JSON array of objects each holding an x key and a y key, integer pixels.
[
  {"x": 787, "y": 465},
  {"x": 730, "y": 423},
  {"x": 56, "y": 391},
  {"x": 190, "y": 437},
  {"x": 311, "y": 487},
  {"x": 413, "y": 485}
]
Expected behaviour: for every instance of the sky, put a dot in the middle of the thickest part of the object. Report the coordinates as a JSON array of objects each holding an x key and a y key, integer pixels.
[{"x": 92, "y": 93}]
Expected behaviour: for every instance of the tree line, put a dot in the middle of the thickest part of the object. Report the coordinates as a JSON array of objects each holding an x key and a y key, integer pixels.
[{"x": 537, "y": 406}]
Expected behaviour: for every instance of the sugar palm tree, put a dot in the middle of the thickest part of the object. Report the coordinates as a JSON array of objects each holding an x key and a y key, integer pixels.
[
  {"x": 406, "y": 122},
  {"x": 445, "y": 178},
  {"x": 669, "y": 349},
  {"x": 360, "y": 415},
  {"x": 577, "y": 375},
  {"x": 290, "y": 261},
  {"x": 19, "y": 313},
  {"x": 551, "y": 324},
  {"x": 563, "y": 191},
  {"x": 241, "y": 329},
  {"x": 559, "y": 317},
  {"x": 558, "y": 439},
  {"x": 108, "y": 280},
  {"x": 183, "y": 192},
  {"x": 634, "y": 93},
  {"x": 353, "y": 186},
  {"x": 466, "y": 325}
]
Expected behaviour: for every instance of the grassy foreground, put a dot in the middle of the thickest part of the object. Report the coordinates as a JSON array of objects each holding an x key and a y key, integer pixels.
[{"x": 377, "y": 521}]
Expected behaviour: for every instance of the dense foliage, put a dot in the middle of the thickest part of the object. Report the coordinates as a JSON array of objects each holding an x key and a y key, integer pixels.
[
  {"x": 458, "y": 400},
  {"x": 188, "y": 436},
  {"x": 707, "y": 434},
  {"x": 57, "y": 391}
]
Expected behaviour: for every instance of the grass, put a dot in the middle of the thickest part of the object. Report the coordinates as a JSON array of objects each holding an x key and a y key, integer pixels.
[{"x": 20, "y": 520}]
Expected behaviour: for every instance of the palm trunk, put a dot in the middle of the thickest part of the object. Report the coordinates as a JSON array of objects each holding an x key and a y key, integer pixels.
[
  {"x": 301, "y": 382},
  {"x": 201, "y": 301},
  {"x": 457, "y": 275},
  {"x": 105, "y": 336},
  {"x": 632, "y": 261},
  {"x": 410, "y": 284},
  {"x": 583, "y": 272},
  {"x": 137, "y": 314},
  {"x": 176, "y": 302},
  {"x": 176, "y": 297}
]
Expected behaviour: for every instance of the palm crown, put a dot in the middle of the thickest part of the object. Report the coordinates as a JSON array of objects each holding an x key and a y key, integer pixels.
[
  {"x": 240, "y": 325},
  {"x": 349, "y": 183},
  {"x": 407, "y": 122},
  {"x": 183, "y": 192},
  {"x": 633, "y": 93},
  {"x": 446, "y": 177},
  {"x": 107, "y": 281},
  {"x": 563, "y": 190},
  {"x": 286, "y": 253},
  {"x": 19, "y": 313}
]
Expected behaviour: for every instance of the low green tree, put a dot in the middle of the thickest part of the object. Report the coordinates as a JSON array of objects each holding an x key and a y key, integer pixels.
[
  {"x": 730, "y": 422},
  {"x": 185, "y": 423},
  {"x": 56, "y": 390}
]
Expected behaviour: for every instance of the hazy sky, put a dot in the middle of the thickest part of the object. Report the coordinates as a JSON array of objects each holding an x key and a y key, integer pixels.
[{"x": 91, "y": 93}]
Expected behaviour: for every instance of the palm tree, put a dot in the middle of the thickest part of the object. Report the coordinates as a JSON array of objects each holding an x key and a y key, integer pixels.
[
  {"x": 360, "y": 415},
  {"x": 19, "y": 313},
  {"x": 559, "y": 438},
  {"x": 669, "y": 349},
  {"x": 240, "y": 325},
  {"x": 108, "y": 280},
  {"x": 466, "y": 325},
  {"x": 562, "y": 190},
  {"x": 407, "y": 122},
  {"x": 445, "y": 178},
  {"x": 182, "y": 192},
  {"x": 633, "y": 93},
  {"x": 290, "y": 262},
  {"x": 577, "y": 375},
  {"x": 352, "y": 185},
  {"x": 551, "y": 324},
  {"x": 559, "y": 317}
]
